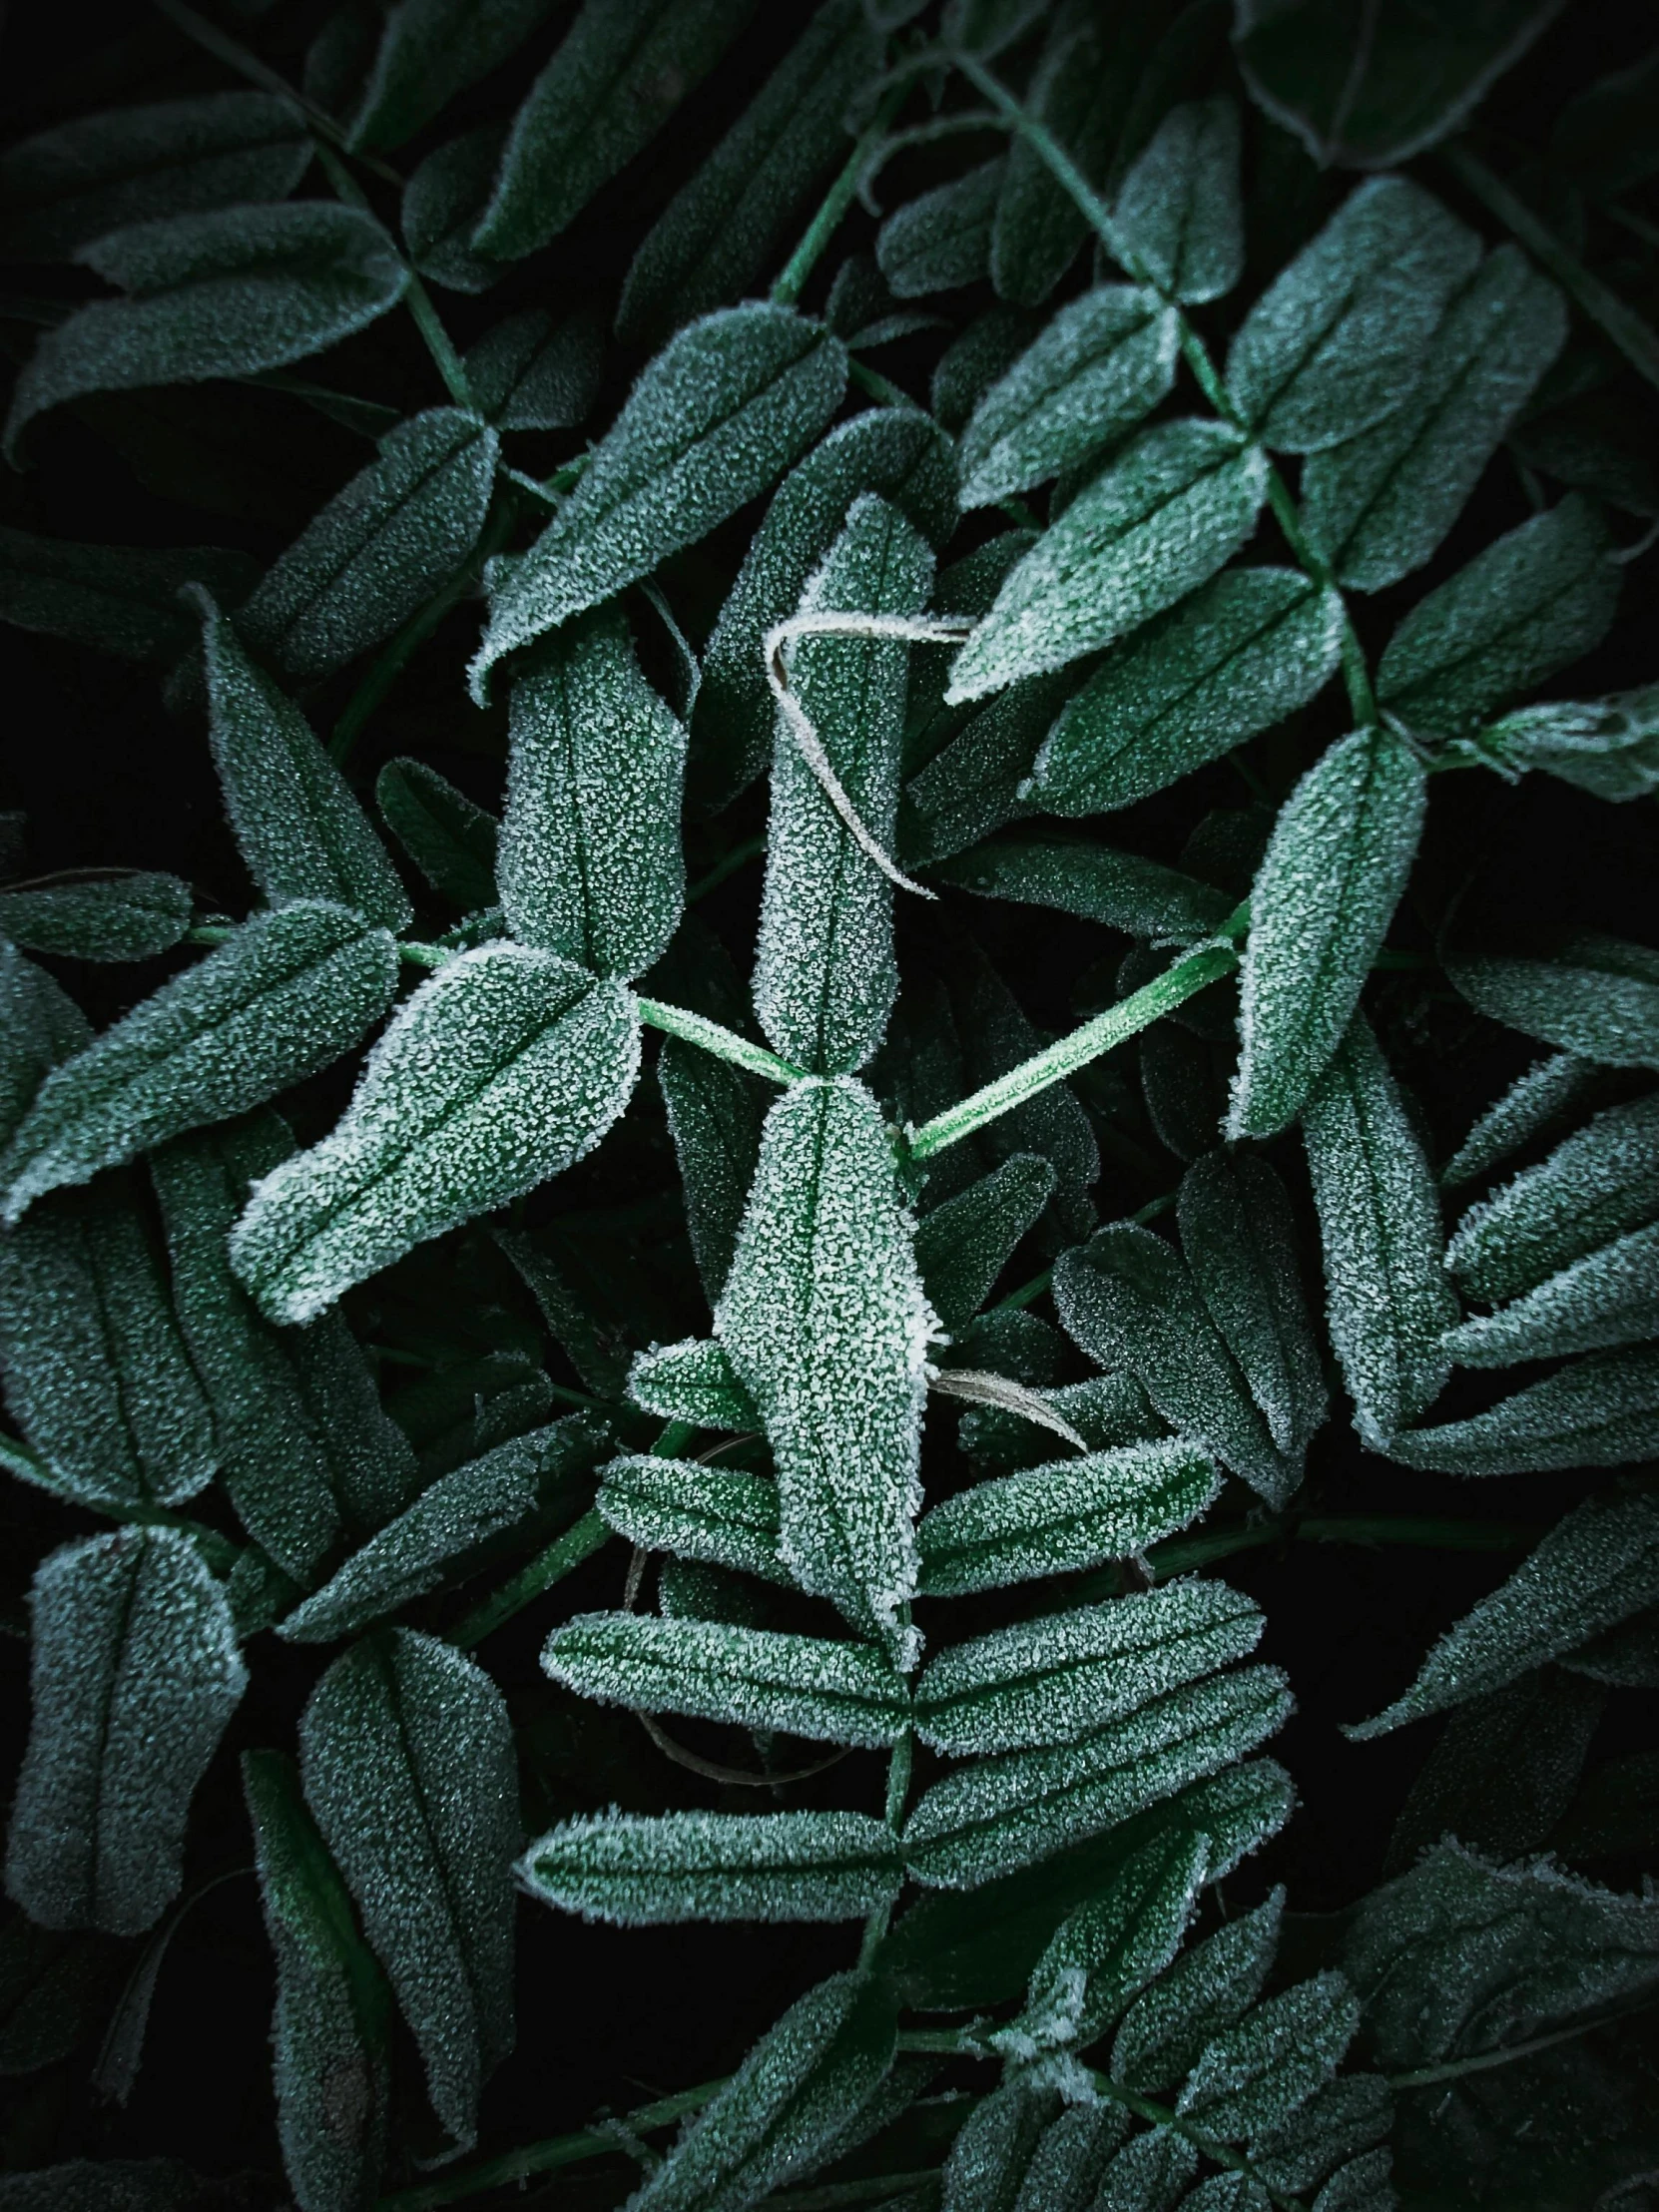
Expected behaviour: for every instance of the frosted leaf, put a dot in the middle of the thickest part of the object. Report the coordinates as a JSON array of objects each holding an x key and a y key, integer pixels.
[
  {"x": 429, "y": 51},
  {"x": 1601, "y": 1182},
  {"x": 974, "y": 359},
  {"x": 595, "y": 1348},
  {"x": 697, "y": 1512},
  {"x": 333, "y": 2019},
  {"x": 694, "y": 1382},
  {"x": 824, "y": 973},
  {"x": 1239, "y": 1238},
  {"x": 1532, "y": 1104},
  {"x": 1253, "y": 2077},
  {"x": 1378, "y": 506},
  {"x": 778, "y": 2117},
  {"x": 754, "y": 1677},
  {"x": 224, "y": 293},
  {"x": 451, "y": 840},
  {"x": 1071, "y": 2158},
  {"x": 1537, "y": 600},
  {"x": 1160, "y": 518},
  {"x": 971, "y": 786},
  {"x": 693, "y": 1590},
  {"x": 714, "y": 1113},
  {"x": 407, "y": 1760},
  {"x": 999, "y": 1813},
  {"x": 1505, "y": 1768},
  {"x": 1597, "y": 1567},
  {"x": 1179, "y": 210},
  {"x": 379, "y": 549},
  {"x": 1608, "y": 1298},
  {"x": 1106, "y": 1410},
  {"x": 963, "y": 1244},
  {"x": 1208, "y": 1990},
  {"x": 96, "y": 1371},
  {"x": 726, "y": 407},
  {"x": 117, "y": 599},
  {"x": 504, "y": 1068},
  {"x": 40, "y": 1025},
  {"x": 124, "y": 918},
  {"x": 622, "y": 69},
  {"x": 1366, "y": 2185},
  {"x": 1142, "y": 898},
  {"x": 825, "y": 1318},
  {"x": 135, "y": 1674},
  {"x": 640, "y": 1872},
  {"x": 283, "y": 998},
  {"x": 1149, "y": 2174},
  {"x": 942, "y": 239},
  {"x": 1239, "y": 655},
  {"x": 1099, "y": 365},
  {"x": 442, "y": 202},
  {"x": 896, "y": 453},
  {"x": 740, "y": 210},
  {"x": 1335, "y": 871},
  {"x": 1607, "y": 746},
  {"x": 1080, "y": 91},
  {"x": 1387, "y": 1299},
  {"x": 1128, "y": 1300},
  {"x": 1346, "y": 2117},
  {"x": 1336, "y": 341},
  {"x": 590, "y": 864},
  {"x": 1598, "y": 1411},
  {"x": 65, "y": 187},
  {"x": 299, "y": 825},
  {"x": 1052, "y": 1680},
  {"x": 1229, "y": 2192},
  {"x": 1598, "y": 998},
  {"x": 993, "y": 2147},
  {"x": 533, "y": 373}
]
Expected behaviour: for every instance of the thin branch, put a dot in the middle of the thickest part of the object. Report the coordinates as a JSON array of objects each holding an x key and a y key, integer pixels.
[
  {"x": 839, "y": 197},
  {"x": 725, "y": 1044}
]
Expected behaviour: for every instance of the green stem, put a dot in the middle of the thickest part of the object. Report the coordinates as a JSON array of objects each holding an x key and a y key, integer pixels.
[
  {"x": 416, "y": 298},
  {"x": 1452, "y": 2070},
  {"x": 878, "y": 387},
  {"x": 1027, "y": 1294},
  {"x": 561, "y": 1557},
  {"x": 740, "y": 855},
  {"x": 726, "y": 1044},
  {"x": 837, "y": 201},
  {"x": 898, "y": 1788}
]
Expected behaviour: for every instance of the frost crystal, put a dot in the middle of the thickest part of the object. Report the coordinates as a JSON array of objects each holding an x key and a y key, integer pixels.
[{"x": 641, "y": 1871}]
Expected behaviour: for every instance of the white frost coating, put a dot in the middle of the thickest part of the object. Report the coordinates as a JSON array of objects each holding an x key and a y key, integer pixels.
[
  {"x": 942, "y": 239},
  {"x": 1599, "y": 997},
  {"x": 1209, "y": 1989},
  {"x": 1106, "y": 1410},
  {"x": 1598, "y": 1411},
  {"x": 40, "y": 1025},
  {"x": 696, "y": 1512},
  {"x": 825, "y": 1318},
  {"x": 1152, "y": 2169},
  {"x": 1121, "y": 889},
  {"x": 1535, "y": 1102},
  {"x": 693, "y": 1382},
  {"x": 1610, "y": 1297},
  {"x": 1253, "y": 2077},
  {"x": 1344, "y": 2118},
  {"x": 1606, "y": 745},
  {"x": 503, "y": 1069},
  {"x": 1598, "y": 1185},
  {"x": 963, "y": 1244},
  {"x": 1180, "y": 211},
  {"x": 1009, "y": 1397}
]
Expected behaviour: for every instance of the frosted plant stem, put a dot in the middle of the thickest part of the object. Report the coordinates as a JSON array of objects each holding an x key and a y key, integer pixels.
[
  {"x": 837, "y": 201},
  {"x": 725, "y": 1044},
  {"x": 580, "y": 1541},
  {"x": 416, "y": 298},
  {"x": 898, "y": 1788}
]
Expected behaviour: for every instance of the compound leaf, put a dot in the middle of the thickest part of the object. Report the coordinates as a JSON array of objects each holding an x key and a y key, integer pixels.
[
  {"x": 1079, "y": 91},
  {"x": 1606, "y": 745},
  {"x": 942, "y": 239},
  {"x": 1253, "y": 2077},
  {"x": 640, "y": 1872},
  {"x": 442, "y": 202},
  {"x": 1179, "y": 210},
  {"x": 1208, "y": 1990}
]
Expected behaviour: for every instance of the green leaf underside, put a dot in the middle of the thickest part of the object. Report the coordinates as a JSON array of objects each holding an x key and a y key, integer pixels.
[{"x": 639, "y": 1871}]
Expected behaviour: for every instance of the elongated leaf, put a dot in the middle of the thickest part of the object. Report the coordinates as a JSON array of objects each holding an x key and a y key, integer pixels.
[
  {"x": 757, "y": 1678},
  {"x": 942, "y": 239},
  {"x": 1157, "y": 522},
  {"x": 1128, "y": 1300},
  {"x": 971, "y": 786},
  {"x": 1606, "y": 745},
  {"x": 430, "y": 51},
  {"x": 1378, "y": 506},
  {"x": 65, "y": 187},
  {"x": 1334, "y": 343},
  {"x": 284, "y": 996},
  {"x": 1534, "y": 1103},
  {"x": 1335, "y": 871},
  {"x": 531, "y": 373},
  {"x": 1598, "y": 998},
  {"x": 826, "y": 1321},
  {"x": 1253, "y": 2077},
  {"x": 1179, "y": 208},
  {"x": 696, "y": 1512},
  {"x": 624, "y": 67},
  {"x": 445, "y": 195},
  {"x": 1121, "y": 889},
  {"x": 1597, "y": 1411},
  {"x": 726, "y": 408},
  {"x": 332, "y": 2020},
  {"x": 1537, "y": 600},
  {"x": 1099, "y": 365},
  {"x": 451, "y": 840},
  {"x": 715, "y": 1112},
  {"x": 379, "y": 549},
  {"x": 995, "y": 2146},
  {"x": 590, "y": 864},
  {"x": 407, "y": 1760},
  {"x": 1608, "y": 1298},
  {"x": 998, "y": 1813},
  {"x": 124, "y": 918},
  {"x": 1347, "y": 2115},
  {"x": 716, "y": 1866},
  {"x": 963, "y": 1244},
  {"x": 694, "y": 1382},
  {"x": 1208, "y": 1990},
  {"x": 1106, "y": 1410},
  {"x": 217, "y": 294},
  {"x": 135, "y": 1675},
  {"x": 1596, "y": 1187},
  {"x": 504, "y": 1068},
  {"x": 1150, "y": 2173},
  {"x": 301, "y": 828},
  {"x": 1079, "y": 91},
  {"x": 121, "y": 599}
]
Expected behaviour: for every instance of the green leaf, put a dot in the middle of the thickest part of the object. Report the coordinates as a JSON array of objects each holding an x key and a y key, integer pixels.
[
  {"x": 972, "y": 785},
  {"x": 729, "y": 404},
  {"x": 1179, "y": 210},
  {"x": 506, "y": 1067},
  {"x": 283, "y": 997},
  {"x": 826, "y": 1321},
  {"x": 590, "y": 862},
  {"x": 430, "y": 51},
  {"x": 1150, "y": 2173},
  {"x": 1120, "y": 889},
  {"x": 942, "y": 239},
  {"x": 442, "y": 202},
  {"x": 1107, "y": 1411},
  {"x": 1379, "y": 1221},
  {"x": 695, "y": 1383},
  {"x": 737, "y": 213},
  {"x": 97, "y": 1375},
  {"x": 407, "y": 1760},
  {"x": 135, "y": 1674},
  {"x": 379, "y": 549},
  {"x": 1062, "y": 1517},
  {"x": 1607, "y": 1298},
  {"x": 1099, "y": 365},
  {"x": 824, "y": 973},
  {"x": 1505, "y": 1769},
  {"x": 1608, "y": 745},
  {"x": 996, "y": 2144},
  {"x": 1128, "y": 1299},
  {"x": 1336, "y": 341},
  {"x": 129, "y": 917},
  {"x": 533, "y": 373},
  {"x": 1336, "y": 868},
  {"x": 696, "y": 1512},
  {"x": 963, "y": 1244},
  {"x": 974, "y": 359},
  {"x": 640, "y": 1873},
  {"x": 298, "y": 822},
  {"x": 1244, "y": 653},
  {"x": 1533, "y": 1104},
  {"x": 1381, "y": 505},
  {"x": 1598, "y": 998},
  {"x": 450, "y": 839},
  {"x": 1347, "y": 2116},
  {"x": 1158, "y": 521},
  {"x": 1000, "y": 1813},
  {"x": 1256, "y": 2076},
  {"x": 119, "y": 599},
  {"x": 622, "y": 70},
  {"x": 1599, "y": 1411},
  {"x": 334, "y": 2010},
  {"x": 1079, "y": 91},
  {"x": 1539, "y": 597},
  {"x": 714, "y": 1113},
  {"x": 1208, "y": 1990},
  {"x": 1593, "y": 1188},
  {"x": 751, "y": 1677},
  {"x": 218, "y": 295},
  {"x": 65, "y": 187}
]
